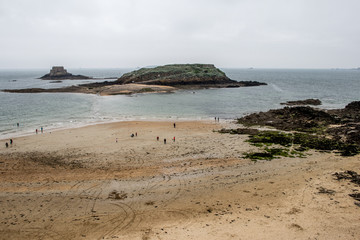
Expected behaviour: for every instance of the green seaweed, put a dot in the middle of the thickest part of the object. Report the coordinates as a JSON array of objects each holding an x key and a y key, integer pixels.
[
  {"x": 271, "y": 153},
  {"x": 259, "y": 156},
  {"x": 272, "y": 137},
  {"x": 304, "y": 141},
  {"x": 145, "y": 90}
]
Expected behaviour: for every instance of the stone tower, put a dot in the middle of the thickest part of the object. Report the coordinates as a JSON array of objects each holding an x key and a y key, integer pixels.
[{"x": 58, "y": 71}]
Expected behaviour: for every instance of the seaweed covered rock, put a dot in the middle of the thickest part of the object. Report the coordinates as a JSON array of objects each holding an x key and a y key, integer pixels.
[
  {"x": 351, "y": 112},
  {"x": 353, "y": 106},
  {"x": 249, "y": 131},
  {"x": 330, "y": 130},
  {"x": 304, "y": 141},
  {"x": 348, "y": 132},
  {"x": 304, "y": 119},
  {"x": 349, "y": 129}
]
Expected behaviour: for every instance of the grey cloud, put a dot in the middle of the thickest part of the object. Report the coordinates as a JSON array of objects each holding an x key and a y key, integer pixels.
[{"x": 110, "y": 33}]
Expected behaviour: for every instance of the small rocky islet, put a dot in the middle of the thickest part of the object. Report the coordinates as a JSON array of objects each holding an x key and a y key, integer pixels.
[
  {"x": 58, "y": 73},
  {"x": 167, "y": 78}
]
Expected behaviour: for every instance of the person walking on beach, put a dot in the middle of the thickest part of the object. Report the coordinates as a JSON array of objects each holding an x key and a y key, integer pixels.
[
  {"x": 157, "y": 138},
  {"x": 6, "y": 145},
  {"x": 11, "y": 141},
  {"x": 42, "y": 129},
  {"x": 18, "y": 124},
  {"x": 174, "y": 139},
  {"x": 36, "y": 131},
  {"x": 174, "y": 125},
  {"x": 136, "y": 134},
  {"x": 164, "y": 140}
]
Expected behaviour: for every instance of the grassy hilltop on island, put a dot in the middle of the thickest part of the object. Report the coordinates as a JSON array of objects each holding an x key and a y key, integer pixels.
[
  {"x": 175, "y": 74},
  {"x": 183, "y": 76}
]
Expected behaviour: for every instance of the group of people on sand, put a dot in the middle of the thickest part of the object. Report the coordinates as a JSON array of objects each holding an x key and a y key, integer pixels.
[
  {"x": 7, "y": 144},
  {"x": 157, "y": 138},
  {"x": 41, "y": 129},
  {"x": 217, "y": 119},
  {"x": 10, "y": 143}
]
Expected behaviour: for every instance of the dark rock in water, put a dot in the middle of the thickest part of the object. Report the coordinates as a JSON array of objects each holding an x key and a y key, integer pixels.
[
  {"x": 184, "y": 76},
  {"x": 60, "y": 73},
  {"x": 56, "y": 81},
  {"x": 314, "y": 102},
  {"x": 42, "y": 90},
  {"x": 291, "y": 118}
]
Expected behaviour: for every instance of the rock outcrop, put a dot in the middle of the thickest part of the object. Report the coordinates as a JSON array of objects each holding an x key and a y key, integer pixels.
[
  {"x": 339, "y": 124},
  {"x": 291, "y": 118},
  {"x": 313, "y": 102},
  {"x": 60, "y": 73}
]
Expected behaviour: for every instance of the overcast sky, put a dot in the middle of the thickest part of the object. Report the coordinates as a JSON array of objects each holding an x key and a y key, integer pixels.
[{"x": 137, "y": 33}]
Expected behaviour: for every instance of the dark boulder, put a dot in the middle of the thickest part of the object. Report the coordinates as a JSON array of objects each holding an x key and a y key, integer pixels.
[{"x": 313, "y": 102}]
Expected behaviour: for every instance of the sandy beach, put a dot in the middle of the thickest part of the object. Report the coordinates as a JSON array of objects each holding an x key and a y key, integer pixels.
[{"x": 98, "y": 182}]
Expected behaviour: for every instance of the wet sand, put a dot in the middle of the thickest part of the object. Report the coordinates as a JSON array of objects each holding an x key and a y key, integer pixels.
[{"x": 82, "y": 184}]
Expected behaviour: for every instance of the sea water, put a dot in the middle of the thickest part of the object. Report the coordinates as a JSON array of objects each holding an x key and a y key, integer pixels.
[{"x": 334, "y": 87}]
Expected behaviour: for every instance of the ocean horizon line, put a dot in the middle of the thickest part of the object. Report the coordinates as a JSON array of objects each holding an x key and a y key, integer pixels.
[{"x": 137, "y": 67}]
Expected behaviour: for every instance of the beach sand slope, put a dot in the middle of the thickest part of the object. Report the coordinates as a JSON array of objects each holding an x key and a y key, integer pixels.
[{"x": 98, "y": 182}]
